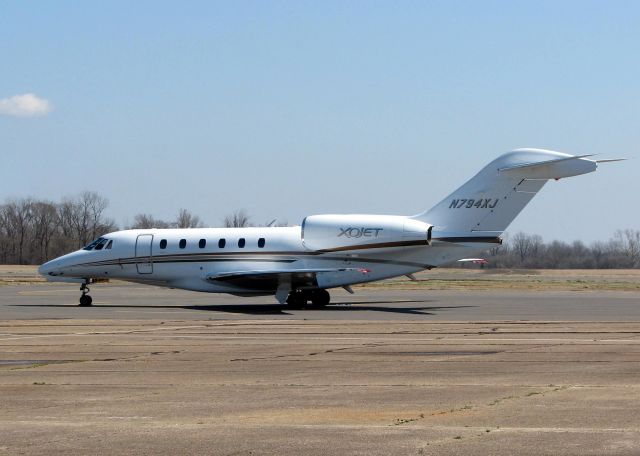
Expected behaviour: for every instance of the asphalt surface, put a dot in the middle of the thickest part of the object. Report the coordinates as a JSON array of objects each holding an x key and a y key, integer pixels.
[
  {"x": 153, "y": 371},
  {"x": 133, "y": 302}
]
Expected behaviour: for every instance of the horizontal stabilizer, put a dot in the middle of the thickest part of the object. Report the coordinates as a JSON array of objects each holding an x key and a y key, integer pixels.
[
  {"x": 546, "y": 162},
  {"x": 552, "y": 169}
]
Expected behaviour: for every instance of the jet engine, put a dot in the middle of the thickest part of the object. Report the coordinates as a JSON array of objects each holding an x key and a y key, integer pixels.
[{"x": 334, "y": 232}]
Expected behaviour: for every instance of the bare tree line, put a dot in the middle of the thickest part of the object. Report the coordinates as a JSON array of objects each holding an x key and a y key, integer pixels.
[
  {"x": 530, "y": 251},
  {"x": 34, "y": 231},
  {"x": 185, "y": 219}
]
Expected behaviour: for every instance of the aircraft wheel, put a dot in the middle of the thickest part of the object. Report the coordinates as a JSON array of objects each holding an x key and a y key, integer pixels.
[
  {"x": 85, "y": 300},
  {"x": 320, "y": 297},
  {"x": 297, "y": 300}
]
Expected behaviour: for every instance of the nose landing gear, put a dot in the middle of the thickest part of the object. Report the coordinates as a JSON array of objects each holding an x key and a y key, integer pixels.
[{"x": 85, "y": 299}]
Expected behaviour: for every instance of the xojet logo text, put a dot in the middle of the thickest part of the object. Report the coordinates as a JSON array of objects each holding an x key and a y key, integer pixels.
[{"x": 353, "y": 232}]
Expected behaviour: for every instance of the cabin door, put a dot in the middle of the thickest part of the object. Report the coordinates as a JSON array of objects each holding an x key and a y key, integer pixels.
[{"x": 144, "y": 261}]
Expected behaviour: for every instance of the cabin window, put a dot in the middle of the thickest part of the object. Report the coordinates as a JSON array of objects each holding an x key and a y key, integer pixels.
[
  {"x": 202, "y": 243},
  {"x": 261, "y": 242},
  {"x": 222, "y": 243},
  {"x": 163, "y": 244},
  {"x": 241, "y": 243},
  {"x": 109, "y": 245},
  {"x": 182, "y": 244}
]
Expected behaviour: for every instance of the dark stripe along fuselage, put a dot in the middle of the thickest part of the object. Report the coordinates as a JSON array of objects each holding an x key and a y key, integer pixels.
[{"x": 290, "y": 256}]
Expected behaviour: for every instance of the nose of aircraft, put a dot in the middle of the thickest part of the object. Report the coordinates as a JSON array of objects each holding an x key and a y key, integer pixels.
[
  {"x": 46, "y": 268},
  {"x": 58, "y": 266}
]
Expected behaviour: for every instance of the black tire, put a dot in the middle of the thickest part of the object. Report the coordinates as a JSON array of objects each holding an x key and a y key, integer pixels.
[
  {"x": 85, "y": 300},
  {"x": 297, "y": 300},
  {"x": 320, "y": 297}
]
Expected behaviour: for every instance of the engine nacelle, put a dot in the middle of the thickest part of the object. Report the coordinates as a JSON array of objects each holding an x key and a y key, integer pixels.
[{"x": 334, "y": 232}]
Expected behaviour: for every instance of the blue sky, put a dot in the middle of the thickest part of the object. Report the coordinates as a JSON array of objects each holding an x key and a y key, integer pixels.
[{"x": 287, "y": 109}]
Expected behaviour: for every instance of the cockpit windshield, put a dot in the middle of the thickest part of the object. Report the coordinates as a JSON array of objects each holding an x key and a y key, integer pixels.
[{"x": 98, "y": 244}]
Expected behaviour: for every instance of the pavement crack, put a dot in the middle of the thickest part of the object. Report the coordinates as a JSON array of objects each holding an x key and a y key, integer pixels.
[
  {"x": 468, "y": 407},
  {"x": 301, "y": 355}
]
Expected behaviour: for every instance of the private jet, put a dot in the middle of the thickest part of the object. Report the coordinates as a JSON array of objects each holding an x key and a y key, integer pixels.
[{"x": 299, "y": 264}]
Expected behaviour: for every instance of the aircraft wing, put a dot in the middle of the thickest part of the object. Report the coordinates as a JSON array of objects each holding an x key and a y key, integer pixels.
[{"x": 270, "y": 279}]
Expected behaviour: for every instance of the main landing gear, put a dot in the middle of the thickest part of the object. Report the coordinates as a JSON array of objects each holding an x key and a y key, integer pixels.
[
  {"x": 85, "y": 299},
  {"x": 299, "y": 298}
]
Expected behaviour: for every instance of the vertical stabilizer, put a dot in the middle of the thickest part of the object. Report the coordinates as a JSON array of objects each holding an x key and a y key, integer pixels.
[{"x": 491, "y": 200}]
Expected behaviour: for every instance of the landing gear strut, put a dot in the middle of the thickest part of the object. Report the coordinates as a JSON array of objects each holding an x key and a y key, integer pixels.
[
  {"x": 299, "y": 298},
  {"x": 85, "y": 299}
]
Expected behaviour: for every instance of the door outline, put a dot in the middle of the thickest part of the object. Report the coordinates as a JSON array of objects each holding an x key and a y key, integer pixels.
[{"x": 144, "y": 254}]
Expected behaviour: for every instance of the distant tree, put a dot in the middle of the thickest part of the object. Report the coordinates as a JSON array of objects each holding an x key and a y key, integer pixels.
[
  {"x": 5, "y": 240},
  {"x": 145, "y": 221},
  {"x": 96, "y": 205},
  {"x": 187, "y": 220},
  {"x": 82, "y": 219},
  {"x": 275, "y": 223},
  {"x": 527, "y": 246},
  {"x": 17, "y": 219},
  {"x": 496, "y": 254},
  {"x": 606, "y": 255},
  {"x": 628, "y": 244},
  {"x": 237, "y": 219},
  {"x": 45, "y": 226},
  {"x": 555, "y": 254}
]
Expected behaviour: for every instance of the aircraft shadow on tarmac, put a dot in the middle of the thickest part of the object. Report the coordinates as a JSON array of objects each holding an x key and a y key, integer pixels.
[
  {"x": 283, "y": 309},
  {"x": 279, "y": 309}
]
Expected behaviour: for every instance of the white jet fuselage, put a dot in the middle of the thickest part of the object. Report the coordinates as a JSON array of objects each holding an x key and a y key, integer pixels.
[{"x": 247, "y": 260}]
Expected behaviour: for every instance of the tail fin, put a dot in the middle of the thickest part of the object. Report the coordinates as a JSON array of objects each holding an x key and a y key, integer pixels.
[{"x": 487, "y": 203}]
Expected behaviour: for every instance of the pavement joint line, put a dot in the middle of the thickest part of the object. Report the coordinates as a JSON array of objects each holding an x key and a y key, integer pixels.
[
  {"x": 329, "y": 337},
  {"x": 152, "y": 312},
  {"x": 101, "y": 333},
  {"x": 38, "y": 292},
  {"x": 321, "y": 385},
  {"x": 493, "y": 428},
  {"x": 337, "y": 323}
]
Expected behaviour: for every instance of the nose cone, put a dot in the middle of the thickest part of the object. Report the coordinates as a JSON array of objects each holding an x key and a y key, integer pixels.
[
  {"x": 64, "y": 269},
  {"x": 59, "y": 266},
  {"x": 46, "y": 268}
]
